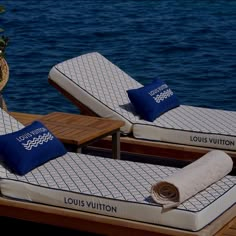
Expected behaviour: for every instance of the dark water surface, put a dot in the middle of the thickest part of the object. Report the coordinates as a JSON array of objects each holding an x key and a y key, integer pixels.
[{"x": 189, "y": 44}]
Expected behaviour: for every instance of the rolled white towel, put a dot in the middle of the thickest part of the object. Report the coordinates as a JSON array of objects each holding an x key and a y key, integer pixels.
[{"x": 193, "y": 178}]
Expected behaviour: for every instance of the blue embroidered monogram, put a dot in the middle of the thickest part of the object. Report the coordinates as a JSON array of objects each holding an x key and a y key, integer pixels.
[
  {"x": 37, "y": 141},
  {"x": 29, "y": 147}
]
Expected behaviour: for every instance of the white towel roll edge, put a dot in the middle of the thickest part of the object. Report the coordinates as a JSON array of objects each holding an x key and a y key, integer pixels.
[{"x": 193, "y": 178}]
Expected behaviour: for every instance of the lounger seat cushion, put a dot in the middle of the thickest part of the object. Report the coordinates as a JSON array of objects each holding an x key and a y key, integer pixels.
[
  {"x": 116, "y": 188},
  {"x": 100, "y": 85},
  {"x": 191, "y": 125}
]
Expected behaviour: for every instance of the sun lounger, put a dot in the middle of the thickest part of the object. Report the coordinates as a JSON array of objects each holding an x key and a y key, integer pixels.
[
  {"x": 108, "y": 196},
  {"x": 96, "y": 84}
]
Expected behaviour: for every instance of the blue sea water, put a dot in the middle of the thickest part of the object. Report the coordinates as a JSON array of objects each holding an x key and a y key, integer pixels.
[{"x": 189, "y": 44}]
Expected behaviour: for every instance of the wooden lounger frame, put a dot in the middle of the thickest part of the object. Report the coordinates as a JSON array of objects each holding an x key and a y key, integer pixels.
[
  {"x": 143, "y": 147},
  {"x": 105, "y": 225}
]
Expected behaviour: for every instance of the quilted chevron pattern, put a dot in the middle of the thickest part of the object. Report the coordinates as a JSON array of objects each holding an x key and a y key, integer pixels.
[
  {"x": 8, "y": 124},
  {"x": 198, "y": 119}
]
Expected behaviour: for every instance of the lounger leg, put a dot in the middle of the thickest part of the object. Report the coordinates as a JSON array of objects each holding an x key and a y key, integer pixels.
[{"x": 116, "y": 145}]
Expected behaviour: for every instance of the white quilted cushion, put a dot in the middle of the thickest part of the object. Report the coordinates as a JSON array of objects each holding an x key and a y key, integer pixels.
[{"x": 101, "y": 86}]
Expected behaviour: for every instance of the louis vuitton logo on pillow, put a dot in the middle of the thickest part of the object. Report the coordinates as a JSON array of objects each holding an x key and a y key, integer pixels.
[
  {"x": 30, "y": 147},
  {"x": 153, "y": 100},
  {"x": 37, "y": 141}
]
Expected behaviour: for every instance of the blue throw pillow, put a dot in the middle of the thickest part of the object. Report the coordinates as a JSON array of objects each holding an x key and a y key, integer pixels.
[
  {"x": 152, "y": 100},
  {"x": 29, "y": 147}
]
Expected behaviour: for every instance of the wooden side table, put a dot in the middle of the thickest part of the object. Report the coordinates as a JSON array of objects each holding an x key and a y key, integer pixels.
[{"x": 81, "y": 130}]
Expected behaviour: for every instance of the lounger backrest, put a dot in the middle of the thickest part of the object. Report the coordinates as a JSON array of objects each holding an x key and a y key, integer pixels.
[{"x": 98, "y": 84}]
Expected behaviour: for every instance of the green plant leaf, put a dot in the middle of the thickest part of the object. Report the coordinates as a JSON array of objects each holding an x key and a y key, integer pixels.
[{"x": 2, "y": 9}]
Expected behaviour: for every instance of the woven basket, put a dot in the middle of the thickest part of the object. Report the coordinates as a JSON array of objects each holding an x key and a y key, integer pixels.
[
  {"x": 4, "y": 76},
  {"x": 4, "y": 73}
]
